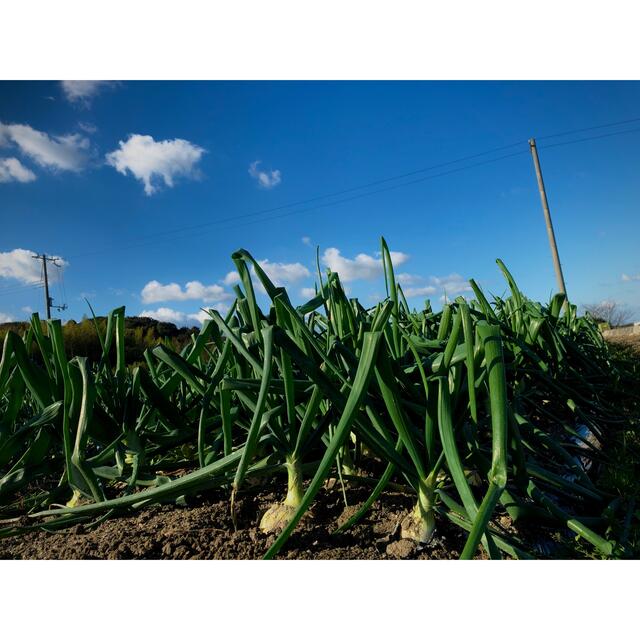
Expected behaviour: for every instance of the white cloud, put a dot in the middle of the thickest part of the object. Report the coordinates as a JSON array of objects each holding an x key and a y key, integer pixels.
[
  {"x": 281, "y": 273},
  {"x": 5, "y": 317},
  {"x": 630, "y": 278},
  {"x": 362, "y": 267},
  {"x": 231, "y": 278},
  {"x": 306, "y": 240},
  {"x": 20, "y": 265},
  {"x": 28, "y": 310},
  {"x": 83, "y": 91},
  {"x": 308, "y": 292},
  {"x": 202, "y": 315},
  {"x": 181, "y": 318},
  {"x": 154, "y": 291},
  {"x": 453, "y": 284},
  {"x": 87, "y": 127},
  {"x": 265, "y": 179},
  {"x": 150, "y": 161},
  {"x": 66, "y": 153},
  {"x": 408, "y": 278},
  {"x": 419, "y": 292},
  {"x": 12, "y": 170},
  {"x": 165, "y": 314}
]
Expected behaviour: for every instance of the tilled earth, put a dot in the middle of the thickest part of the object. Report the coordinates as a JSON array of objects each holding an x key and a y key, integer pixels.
[{"x": 204, "y": 530}]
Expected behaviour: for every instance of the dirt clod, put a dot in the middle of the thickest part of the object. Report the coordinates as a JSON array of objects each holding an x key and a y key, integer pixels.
[{"x": 400, "y": 549}]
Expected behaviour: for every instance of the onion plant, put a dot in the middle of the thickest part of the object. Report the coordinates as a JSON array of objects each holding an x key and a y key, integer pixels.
[{"x": 479, "y": 411}]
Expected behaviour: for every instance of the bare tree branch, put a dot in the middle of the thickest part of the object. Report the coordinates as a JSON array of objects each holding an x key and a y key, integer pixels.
[{"x": 609, "y": 311}]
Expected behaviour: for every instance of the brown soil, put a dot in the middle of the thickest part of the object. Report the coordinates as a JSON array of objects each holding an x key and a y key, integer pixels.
[
  {"x": 204, "y": 530},
  {"x": 631, "y": 342}
]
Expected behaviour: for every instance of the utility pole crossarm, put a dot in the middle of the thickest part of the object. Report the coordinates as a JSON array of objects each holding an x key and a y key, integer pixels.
[{"x": 547, "y": 218}]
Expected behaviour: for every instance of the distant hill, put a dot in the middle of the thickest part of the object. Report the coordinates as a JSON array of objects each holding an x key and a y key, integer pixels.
[{"x": 81, "y": 339}]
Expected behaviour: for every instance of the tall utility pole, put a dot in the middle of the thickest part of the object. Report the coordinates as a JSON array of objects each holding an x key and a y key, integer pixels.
[
  {"x": 48, "y": 300},
  {"x": 547, "y": 218}
]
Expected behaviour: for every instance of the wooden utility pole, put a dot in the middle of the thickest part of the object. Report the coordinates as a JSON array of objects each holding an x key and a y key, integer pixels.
[
  {"x": 48, "y": 300},
  {"x": 547, "y": 218}
]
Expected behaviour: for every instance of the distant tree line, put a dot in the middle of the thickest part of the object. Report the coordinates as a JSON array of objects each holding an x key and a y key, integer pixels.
[{"x": 81, "y": 338}]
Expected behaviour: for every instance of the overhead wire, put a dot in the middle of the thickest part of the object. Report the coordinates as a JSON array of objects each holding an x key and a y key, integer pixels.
[
  {"x": 183, "y": 232},
  {"x": 598, "y": 126},
  {"x": 286, "y": 214},
  {"x": 377, "y": 191},
  {"x": 64, "y": 289},
  {"x": 60, "y": 283},
  {"x": 23, "y": 285},
  {"x": 333, "y": 198},
  {"x": 315, "y": 198},
  {"x": 7, "y": 291},
  {"x": 603, "y": 135}
]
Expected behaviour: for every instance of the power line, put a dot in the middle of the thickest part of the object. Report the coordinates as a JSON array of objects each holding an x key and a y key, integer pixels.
[
  {"x": 599, "y": 126},
  {"x": 243, "y": 219},
  {"x": 64, "y": 288},
  {"x": 178, "y": 232},
  {"x": 604, "y": 135},
  {"x": 370, "y": 193},
  {"x": 18, "y": 286},
  {"x": 319, "y": 197},
  {"x": 20, "y": 290},
  {"x": 13, "y": 293},
  {"x": 5, "y": 291},
  {"x": 313, "y": 208},
  {"x": 60, "y": 282}
]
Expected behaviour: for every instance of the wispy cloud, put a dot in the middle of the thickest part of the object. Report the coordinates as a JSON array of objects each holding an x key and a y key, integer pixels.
[
  {"x": 151, "y": 161},
  {"x": 415, "y": 286},
  {"x": 154, "y": 291},
  {"x": 280, "y": 273},
  {"x": 5, "y": 317},
  {"x": 306, "y": 240},
  {"x": 65, "y": 153},
  {"x": 82, "y": 92},
  {"x": 419, "y": 292},
  {"x": 452, "y": 285},
  {"x": 362, "y": 267},
  {"x": 231, "y": 278},
  {"x": 630, "y": 278},
  {"x": 265, "y": 179},
  {"x": 19, "y": 264},
  {"x": 308, "y": 292},
  {"x": 87, "y": 127},
  {"x": 408, "y": 278},
  {"x": 12, "y": 170},
  {"x": 181, "y": 318}
]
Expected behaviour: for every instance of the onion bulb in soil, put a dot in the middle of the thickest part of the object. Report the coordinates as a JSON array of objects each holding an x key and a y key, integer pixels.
[
  {"x": 278, "y": 516},
  {"x": 420, "y": 524}
]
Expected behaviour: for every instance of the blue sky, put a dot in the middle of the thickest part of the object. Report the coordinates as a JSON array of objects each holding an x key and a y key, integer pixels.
[{"x": 111, "y": 176}]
